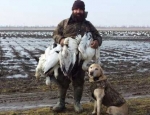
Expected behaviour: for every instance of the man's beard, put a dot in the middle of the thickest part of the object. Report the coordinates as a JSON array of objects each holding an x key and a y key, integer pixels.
[{"x": 78, "y": 17}]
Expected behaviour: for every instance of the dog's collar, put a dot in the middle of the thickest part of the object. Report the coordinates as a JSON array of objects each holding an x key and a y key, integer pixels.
[{"x": 98, "y": 79}]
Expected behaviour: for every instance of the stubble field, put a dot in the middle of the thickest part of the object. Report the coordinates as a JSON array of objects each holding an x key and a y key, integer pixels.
[{"x": 126, "y": 63}]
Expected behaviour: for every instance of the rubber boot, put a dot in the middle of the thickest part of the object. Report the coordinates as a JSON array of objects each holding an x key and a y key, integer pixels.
[
  {"x": 60, "y": 106},
  {"x": 77, "y": 98}
]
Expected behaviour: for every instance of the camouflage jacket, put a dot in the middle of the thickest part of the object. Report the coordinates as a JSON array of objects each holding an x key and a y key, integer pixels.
[
  {"x": 68, "y": 28},
  {"x": 111, "y": 97}
]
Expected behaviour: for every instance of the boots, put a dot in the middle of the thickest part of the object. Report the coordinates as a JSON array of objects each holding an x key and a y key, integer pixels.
[
  {"x": 77, "y": 97},
  {"x": 60, "y": 106}
]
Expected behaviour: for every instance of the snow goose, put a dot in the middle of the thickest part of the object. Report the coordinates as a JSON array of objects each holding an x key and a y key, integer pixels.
[
  {"x": 87, "y": 53},
  {"x": 52, "y": 61},
  {"x": 67, "y": 56},
  {"x": 48, "y": 62},
  {"x": 39, "y": 69}
]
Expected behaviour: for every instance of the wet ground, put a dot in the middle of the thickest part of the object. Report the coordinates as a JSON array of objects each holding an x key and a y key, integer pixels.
[{"x": 126, "y": 62}]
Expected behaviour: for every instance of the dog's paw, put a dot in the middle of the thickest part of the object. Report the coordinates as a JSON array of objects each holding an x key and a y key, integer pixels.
[{"x": 94, "y": 113}]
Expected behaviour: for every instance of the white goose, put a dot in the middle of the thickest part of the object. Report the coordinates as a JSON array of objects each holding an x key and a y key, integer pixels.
[
  {"x": 87, "y": 53},
  {"x": 39, "y": 69},
  {"x": 67, "y": 56},
  {"x": 48, "y": 62},
  {"x": 52, "y": 61}
]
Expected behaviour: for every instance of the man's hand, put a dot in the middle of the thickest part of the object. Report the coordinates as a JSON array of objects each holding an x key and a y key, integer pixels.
[
  {"x": 94, "y": 44},
  {"x": 62, "y": 42}
]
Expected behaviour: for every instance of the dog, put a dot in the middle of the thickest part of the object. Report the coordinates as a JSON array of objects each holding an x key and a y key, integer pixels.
[{"x": 104, "y": 94}]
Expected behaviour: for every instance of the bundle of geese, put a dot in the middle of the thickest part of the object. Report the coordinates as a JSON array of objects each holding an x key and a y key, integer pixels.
[{"x": 65, "y": 57}]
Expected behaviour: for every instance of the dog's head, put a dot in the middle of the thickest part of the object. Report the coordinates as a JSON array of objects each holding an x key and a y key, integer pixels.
[{"x": 95, "y": 72}]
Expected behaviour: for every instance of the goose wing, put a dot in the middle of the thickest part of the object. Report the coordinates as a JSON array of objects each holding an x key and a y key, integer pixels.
[
  {"x": 65, "y": 60},
  {"x": 73, "y": 61},
  {"x": 51, "y": 57},
  {"x": 82, "y": 46},
  {"x": 51, "y": 61},
  {"x": 73, "y": 45},
  {"x": 97, "y": 55}
]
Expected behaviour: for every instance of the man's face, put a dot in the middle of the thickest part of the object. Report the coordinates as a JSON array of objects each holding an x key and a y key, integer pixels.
[
  {"x": 78, "y": 14},
  {"x": 78, "y": 11}
]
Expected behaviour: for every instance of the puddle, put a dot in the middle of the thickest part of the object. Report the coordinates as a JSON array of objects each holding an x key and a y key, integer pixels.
[{"x": 17, "y": 76}]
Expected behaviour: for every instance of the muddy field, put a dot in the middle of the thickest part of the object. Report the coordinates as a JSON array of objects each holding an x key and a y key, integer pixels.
[{"x": 125, "y": 62}]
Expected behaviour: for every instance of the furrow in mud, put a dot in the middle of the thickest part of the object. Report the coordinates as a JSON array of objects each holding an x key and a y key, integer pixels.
[
  {"x": 23, "y": 65},
  {"x": 32, "y": 53}
]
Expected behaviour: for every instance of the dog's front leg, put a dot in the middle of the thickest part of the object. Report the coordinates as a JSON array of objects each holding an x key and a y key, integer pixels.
[
  {"x": 95, "y": 108},
  {"x": 99, "y": 94},
  {"x": 99, "y": 102}
]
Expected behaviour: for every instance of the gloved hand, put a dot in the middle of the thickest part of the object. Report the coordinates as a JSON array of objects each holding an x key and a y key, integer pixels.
[
  {"x": 94, "y": 44},
  {"x": 62, "y": 42}
]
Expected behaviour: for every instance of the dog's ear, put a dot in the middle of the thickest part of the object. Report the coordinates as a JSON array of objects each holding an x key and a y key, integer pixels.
[
  {"x": 102, "y": 73},
  {"x": 87, "y": 71}
]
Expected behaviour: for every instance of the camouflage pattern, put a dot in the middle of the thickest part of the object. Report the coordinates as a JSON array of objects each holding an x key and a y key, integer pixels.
[
  {"x": 111, "y": 97},
  {"x": 64, "y": 30}
]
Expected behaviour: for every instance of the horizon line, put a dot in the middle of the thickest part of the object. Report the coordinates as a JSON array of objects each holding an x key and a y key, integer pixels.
[{"x": 95, "y": 26}]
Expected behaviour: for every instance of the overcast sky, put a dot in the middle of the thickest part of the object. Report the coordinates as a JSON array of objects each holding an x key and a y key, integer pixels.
[{"x": 51, "y": 12}]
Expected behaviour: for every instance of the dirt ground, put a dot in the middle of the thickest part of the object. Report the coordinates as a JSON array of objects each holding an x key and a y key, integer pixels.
[{"x": 125, "y": 63}]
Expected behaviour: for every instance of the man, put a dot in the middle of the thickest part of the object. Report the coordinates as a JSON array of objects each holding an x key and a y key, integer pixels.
[{"x": 76, "y": 24}]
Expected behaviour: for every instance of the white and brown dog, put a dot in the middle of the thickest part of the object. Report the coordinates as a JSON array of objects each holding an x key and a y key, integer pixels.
[{"x": 104, "y": 94}]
